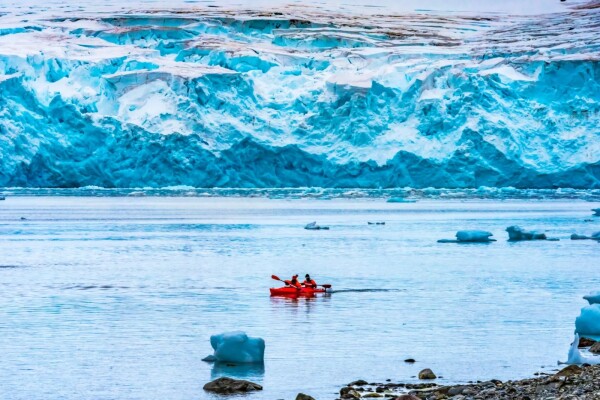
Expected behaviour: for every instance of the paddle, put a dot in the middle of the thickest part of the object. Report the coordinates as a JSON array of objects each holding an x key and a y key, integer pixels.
[{"x": 326, "y": 286}]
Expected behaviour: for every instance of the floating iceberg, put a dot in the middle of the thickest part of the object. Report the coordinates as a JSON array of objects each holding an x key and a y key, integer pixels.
[
  {"x": 470, "y": 236},
  {"x": 314, "y": 227},
  {"x": 588, "y": 322},
  {"x": 595, "y": 236},
  {"x": 516, "y": 233},
  {"x": 593, "y": 298},
  {"x": 236, "y": 347}
]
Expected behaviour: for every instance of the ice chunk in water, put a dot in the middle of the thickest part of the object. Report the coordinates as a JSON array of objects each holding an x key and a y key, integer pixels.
[
  {"x": 593, "y": 298},
  {"x": 575, "y": 356},
  {"x": 588, "y": 322},
  {"x": 474, "y": 236},
  {"x": 237, "y": 347}
]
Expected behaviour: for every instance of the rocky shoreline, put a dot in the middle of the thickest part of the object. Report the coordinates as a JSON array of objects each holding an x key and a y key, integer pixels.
[{"x": 572, "y": 382}]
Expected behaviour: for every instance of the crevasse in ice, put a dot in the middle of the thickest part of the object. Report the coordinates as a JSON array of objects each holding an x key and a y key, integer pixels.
[{"x": 208, "y": 97}]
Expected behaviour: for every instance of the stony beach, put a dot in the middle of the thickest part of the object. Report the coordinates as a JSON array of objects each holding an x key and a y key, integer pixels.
[{"x": 572, "y": 382}]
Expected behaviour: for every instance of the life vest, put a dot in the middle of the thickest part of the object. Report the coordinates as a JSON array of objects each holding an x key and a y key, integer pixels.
[
  {"x": 311, "y": 283},
  {"x": 295, "y": 282}
]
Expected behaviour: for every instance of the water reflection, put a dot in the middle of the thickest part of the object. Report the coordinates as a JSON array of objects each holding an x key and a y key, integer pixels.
[
  {"x": 300, "y": 302},
  {"x": 242, "y": 371}
]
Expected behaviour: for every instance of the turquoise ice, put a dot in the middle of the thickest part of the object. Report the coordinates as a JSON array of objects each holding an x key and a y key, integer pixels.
[{"x": 209, "y": 98}]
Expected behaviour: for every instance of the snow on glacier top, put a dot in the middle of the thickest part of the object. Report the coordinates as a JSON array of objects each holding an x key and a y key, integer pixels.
[{"x": 513, "y": 7}]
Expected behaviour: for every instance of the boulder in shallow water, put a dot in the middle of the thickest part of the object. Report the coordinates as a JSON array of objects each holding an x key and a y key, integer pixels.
[
  {"x": 474, "y": 236},
  {"x": 302, "y": 396},
  {"x": 229, "y": 386},
  {"x": 586, "y": 342},
  {"x": 516, "y": 233},
  {"x": 237, "y": 347},
  {"x": 427, "y": 374},
  {"x": 595, "y": 348}
]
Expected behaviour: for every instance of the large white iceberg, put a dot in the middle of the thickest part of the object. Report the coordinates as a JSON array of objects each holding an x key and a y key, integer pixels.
[
  {"x": 588, "y": 322},
  {"x": 237, "y": 347}
]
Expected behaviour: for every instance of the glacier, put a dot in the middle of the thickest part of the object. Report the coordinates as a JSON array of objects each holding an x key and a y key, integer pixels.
[{"x": 278, "y": 95}]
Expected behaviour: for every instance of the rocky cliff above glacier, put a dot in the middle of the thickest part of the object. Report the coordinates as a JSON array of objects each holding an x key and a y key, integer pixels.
[{"x": 295, "y": 96}]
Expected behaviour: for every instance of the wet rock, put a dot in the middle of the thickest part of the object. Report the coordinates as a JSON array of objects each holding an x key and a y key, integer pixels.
[
  {"x": 586, "y": 342},
  {"x": 359, "y": 382},
  {"x": 569, "y": 371},
  {"x": 456, "y": 390},
  {"x": 595, "y": 347},
  {"x": 372, "y": 395},
  {"x": 302, "y": 396},
  {"x": 407, "y": 397},
  {"x": 349, "y": 393},
  {"x": 228, "y": 386},
  {"x": 427, "y": 374},
  {"x": 409, "y": 360}
]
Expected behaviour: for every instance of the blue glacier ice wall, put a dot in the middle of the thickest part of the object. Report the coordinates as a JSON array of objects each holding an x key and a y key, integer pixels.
[{"x": 292, "y": 98}]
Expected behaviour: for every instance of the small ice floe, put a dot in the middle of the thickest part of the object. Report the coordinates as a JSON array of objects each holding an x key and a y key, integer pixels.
[
  {"x": 236, "y": 347},
  {"x": 471, "y": 236},
  {"x": 595, "y": 236},
  {"x": 400, "y": 200},
  {"x": 588, "y": 322},
  {"x": 596, "y": 212},
  {"x": 516, "y": 233},
  {"x": 314, "y": 227},
  {"x": 376, "y": 223},
  {"x": 575, "y": 356},
  {"x": 593, "y": 298}
]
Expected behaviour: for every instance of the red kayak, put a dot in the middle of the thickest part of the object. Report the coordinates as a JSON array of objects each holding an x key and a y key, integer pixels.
[{"x": 290, "y": 291}]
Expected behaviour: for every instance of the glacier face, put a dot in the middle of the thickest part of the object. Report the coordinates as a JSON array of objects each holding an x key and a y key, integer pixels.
[{"x": 215, "y": 96}]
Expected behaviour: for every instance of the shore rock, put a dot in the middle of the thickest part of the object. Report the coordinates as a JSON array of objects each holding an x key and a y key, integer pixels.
[
  {"x": 302, "y": 396},
  {"x": 586, "y": 342},
  {"x": 595, "y": 348},
  {"x": 229, "y": 386},
  {"x": 427, "y": 374},
  {"x": 571, "y": 383}
]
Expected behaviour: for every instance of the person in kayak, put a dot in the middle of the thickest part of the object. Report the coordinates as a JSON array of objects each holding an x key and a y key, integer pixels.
[
  {"x": 308, "y": 282},
  {"x": 295, "y": 282}
]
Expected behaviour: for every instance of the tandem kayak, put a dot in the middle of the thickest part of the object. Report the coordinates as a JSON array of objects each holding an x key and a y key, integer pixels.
[{"x": 290, "y": 291}]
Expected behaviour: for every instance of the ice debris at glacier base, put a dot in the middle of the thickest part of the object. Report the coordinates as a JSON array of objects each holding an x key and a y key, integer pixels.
[
  {"x": 236, "y": 347},
  {"x": 216, "y": 97}
]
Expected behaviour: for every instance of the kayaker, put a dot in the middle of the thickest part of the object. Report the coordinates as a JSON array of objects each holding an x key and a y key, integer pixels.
[
  {"x": 308, "y": 282},
  {"x": 295, "y": 282}
]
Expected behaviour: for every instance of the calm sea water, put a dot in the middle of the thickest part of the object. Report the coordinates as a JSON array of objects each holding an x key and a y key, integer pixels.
[{"x": 115, "y": 298}]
